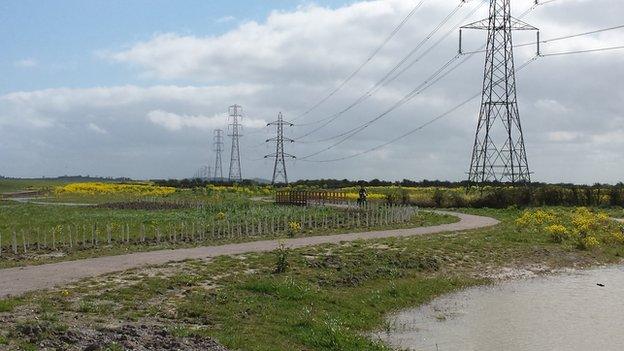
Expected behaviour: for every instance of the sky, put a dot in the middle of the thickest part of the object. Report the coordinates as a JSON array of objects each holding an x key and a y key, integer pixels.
[{"x": 135, "y": 88}]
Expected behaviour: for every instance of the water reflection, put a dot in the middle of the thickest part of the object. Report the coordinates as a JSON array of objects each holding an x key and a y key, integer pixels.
[{"x": 569, "y": 312}]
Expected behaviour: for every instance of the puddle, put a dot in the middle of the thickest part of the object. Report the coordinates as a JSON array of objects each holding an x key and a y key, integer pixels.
[{"x": 567, "y": 312}]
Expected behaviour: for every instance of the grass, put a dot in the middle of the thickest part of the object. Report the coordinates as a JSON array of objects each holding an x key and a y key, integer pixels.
[
  {"x": 328, "y": 297},
  {"x": 35, "y": 224}
]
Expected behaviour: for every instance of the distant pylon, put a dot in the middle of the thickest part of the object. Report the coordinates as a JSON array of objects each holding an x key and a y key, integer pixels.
[
  {"x": 218, "y": 149},
  {"x": 279, "y": 169},
  {"x": 499, "y": 154},
  {"x": 236, "y": 113}
]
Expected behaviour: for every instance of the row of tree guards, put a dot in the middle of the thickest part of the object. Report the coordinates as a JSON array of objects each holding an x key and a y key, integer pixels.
[{"x": 95, "y": 235}]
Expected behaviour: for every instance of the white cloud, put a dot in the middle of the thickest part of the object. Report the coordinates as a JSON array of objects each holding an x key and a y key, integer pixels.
[
  {"x": 26, "y": 63},
  {"x": 562, "y": 136},
  {"x": 226, "y": 19},
  {"x": 176, "y": 122},
  {"x": 97, "y": 129},
  {"x": 568, "y": 104},
  {"x": 551, "y": 106},
  {"x": 615, "y": 137},
  {"x": 312, "y": 38}
]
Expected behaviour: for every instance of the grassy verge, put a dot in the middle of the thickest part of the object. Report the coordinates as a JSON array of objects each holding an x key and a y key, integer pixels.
[
  {"x": 31, "y": 222},
  {"x": 327, "y": 298}
]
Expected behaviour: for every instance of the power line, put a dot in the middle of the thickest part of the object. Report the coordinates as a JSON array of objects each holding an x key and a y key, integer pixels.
[
  {"x": 546, "y": 41},
  {"x": 583, "y": 34},
  {"x": 447, "y": 113},
  {"x": 434, "y": 78},
  {"x": 584, "y": 51},
  {"x": 392, "y": 75},
  {"x": 414, "y": 130},
  {"x": 367, "y": 61}
]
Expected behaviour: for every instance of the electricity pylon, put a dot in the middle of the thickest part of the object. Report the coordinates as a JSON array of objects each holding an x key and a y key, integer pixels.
[
  {"x": 236, "y": 113},
  {"x": 499, "y": 154},
  {"x": 218, "y": 149},
  {"x": 279, "y": 169},
  {"x": 203, "y": 173}
]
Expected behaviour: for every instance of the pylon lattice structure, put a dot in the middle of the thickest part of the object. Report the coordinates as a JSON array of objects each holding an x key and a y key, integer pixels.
[
  {"x": 218, "y": 150},
  {"x": 236, "y": 114},
  {"x": 203, "y": 173},
  {"x": 499, "y": 153},
  {"x": 279, "y": 169}
]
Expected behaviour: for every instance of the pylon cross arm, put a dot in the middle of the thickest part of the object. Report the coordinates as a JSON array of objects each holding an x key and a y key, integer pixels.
[
  {"x": 518, "y": 24},
  {"x": 484, "y": 24}
]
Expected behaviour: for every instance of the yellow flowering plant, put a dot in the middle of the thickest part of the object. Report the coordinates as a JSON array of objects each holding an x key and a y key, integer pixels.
[
  {"x": 588, "y": 242},
  {"x": 293, "y": 228},
  {"x": 583, "y": 227},
  {"x": 95, "y": 188},
  {"x": 558, "y": 233}
]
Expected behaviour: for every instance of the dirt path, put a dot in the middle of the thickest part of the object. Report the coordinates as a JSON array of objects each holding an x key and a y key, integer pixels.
[
  {"x": 33, "y": 200},
  {"x": 16, "y": 281}
]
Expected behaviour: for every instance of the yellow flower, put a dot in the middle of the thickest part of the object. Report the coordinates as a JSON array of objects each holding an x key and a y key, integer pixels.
[
  {"x": 557, "y": 232},
  {"x": 535, "y": 219},
  {"x": 294, "y": 227},
  {"x": 94, "y": 188},
  {"x": 618, "y": 237},
  {"x": 589, "y": 242}
]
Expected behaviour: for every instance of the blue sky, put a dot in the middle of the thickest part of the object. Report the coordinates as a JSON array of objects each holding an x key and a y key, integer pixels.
[{"x": 62, "y": 38}]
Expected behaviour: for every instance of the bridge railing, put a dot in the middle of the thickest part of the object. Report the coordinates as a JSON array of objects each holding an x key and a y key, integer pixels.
[{"x": 305, "y": 198}]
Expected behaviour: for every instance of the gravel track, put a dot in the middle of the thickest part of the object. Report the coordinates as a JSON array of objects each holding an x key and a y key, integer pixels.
[{"x": 17, "y": 281}]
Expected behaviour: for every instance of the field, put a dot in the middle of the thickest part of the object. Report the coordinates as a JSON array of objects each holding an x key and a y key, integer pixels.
[
  {"x": 93, "y": 219},
  {"x": 327, "y": 297}
]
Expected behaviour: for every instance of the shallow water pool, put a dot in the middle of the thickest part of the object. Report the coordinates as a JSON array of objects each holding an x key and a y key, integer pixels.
[{"x": 568, "y": 312}]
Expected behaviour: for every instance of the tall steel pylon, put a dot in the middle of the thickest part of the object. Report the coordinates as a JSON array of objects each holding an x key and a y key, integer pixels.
[
  {"x": 236, "y": 113},
  {"x": 279, "y": 169},
  {"x": 499, "y": 154},
  {"x": 218, "y": 149},
  {"x": 203, "y": 173}
]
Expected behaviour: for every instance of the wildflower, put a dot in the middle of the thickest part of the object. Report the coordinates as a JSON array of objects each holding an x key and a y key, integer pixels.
[
  {"x": 618, "y": 237},
  {"x": 95, "y": 188},
  {"x": 558, "y": 233},
  {"x": 589, "y": 242},
  {"x": 294, "y": 227}
]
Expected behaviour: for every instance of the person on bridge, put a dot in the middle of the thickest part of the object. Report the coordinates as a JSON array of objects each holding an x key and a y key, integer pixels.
[{"x": 362, "y": 199}]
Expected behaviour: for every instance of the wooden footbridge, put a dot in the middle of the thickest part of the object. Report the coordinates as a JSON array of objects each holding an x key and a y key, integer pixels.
[{"x": 305, "y": 198}]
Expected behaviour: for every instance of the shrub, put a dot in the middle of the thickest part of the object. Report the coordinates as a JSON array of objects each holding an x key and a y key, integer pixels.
[
  {"x": 136, "y": 189},
  {"x": 618, "y": 237},
  {"x": 281, "y": 263},
  {"x": 588, "y": 242},
  {"x": 558, "y": 233},
  {"x": 293, "y": 228}
]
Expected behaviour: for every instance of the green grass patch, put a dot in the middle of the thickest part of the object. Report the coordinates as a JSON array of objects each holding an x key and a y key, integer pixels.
[{"x": 328, "y": 297}]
